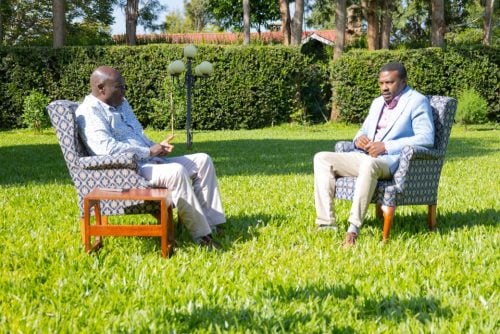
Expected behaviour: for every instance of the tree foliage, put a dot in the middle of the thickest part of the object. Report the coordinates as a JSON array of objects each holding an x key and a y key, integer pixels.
[
  {"x": 228, "y": 14},
  {"x": 26, "y": 22}
]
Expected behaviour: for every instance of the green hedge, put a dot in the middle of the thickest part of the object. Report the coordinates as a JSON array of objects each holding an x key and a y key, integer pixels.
[
  {"x": 251, "y": 87},
  {"x": 432, "y": 71}
]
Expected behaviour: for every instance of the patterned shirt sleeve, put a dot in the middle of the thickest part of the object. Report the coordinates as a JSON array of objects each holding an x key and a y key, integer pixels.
[{"x": 111, "y": 131}]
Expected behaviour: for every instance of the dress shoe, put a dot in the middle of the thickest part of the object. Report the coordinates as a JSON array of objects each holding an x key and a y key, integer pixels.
[
  {"x": 218, "y": 229},
  {"x": 208, "y": 242},
  {"x": 350, "y": 239}
]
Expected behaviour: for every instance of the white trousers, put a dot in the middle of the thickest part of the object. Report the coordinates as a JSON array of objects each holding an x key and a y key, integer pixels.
[
  {"x": 329, "y": 165},
  {"x": 195, "y": 192}
]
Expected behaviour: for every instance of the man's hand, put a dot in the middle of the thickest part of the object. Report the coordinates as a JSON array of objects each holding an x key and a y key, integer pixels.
[
  {"x": 374, "y": 149},
  {"x": 163, "y": 148},
  {"x": 156, "y": 150},
  {"x": 361, "y": 142}
]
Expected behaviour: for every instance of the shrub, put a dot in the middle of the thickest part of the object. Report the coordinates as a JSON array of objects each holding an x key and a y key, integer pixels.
[
  {"x": 472, "y": 108},
  {"x": 34, "y": 113}
]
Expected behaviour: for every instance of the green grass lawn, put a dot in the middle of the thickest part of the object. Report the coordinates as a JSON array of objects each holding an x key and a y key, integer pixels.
[{"x": 276, "y": 273}]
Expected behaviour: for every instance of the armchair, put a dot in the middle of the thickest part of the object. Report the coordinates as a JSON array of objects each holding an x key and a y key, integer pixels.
[
  {"x": 89, "y": 172},
  {"x": 416, "y": 180}
]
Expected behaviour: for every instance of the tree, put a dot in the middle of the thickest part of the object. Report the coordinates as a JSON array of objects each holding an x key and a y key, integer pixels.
[
  {"x": 131, "y": 17},
  {"x": 370, "y": 9},
  {"x": 297, "y": 22},
  {"x": 197, "y": 12},
  {"x": 246, "y": 22},
  {"x": 340, "y": 27},
  {"x": 175, "y": 23},
  {"x": 438, "y": 28},
  {"x": 488, "y": 18},
  {"x": 285, "y": 21},
  {"x": 59, "y": 19},
  {"x": 144, "y": 15},
  {"x": 386, "y": 24},
  {"x": 322, "y": 14},
  {"x": 228, "y": 14},
  {"x": 28, "y": 22}
]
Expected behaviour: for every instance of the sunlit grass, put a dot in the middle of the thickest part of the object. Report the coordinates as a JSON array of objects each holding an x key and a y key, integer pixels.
[{"x": 276, "y": 273}]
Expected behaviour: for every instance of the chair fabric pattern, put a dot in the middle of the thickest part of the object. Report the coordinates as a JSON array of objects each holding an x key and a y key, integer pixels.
[
  {"x": 416, "y": 180},
  {"x": 89, "y": 172}
]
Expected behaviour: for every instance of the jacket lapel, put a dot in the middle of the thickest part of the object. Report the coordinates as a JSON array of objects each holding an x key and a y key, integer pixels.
[{"x": 403, "y": 102}]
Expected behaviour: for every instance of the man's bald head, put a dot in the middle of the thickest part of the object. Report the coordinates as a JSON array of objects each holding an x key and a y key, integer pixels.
[{"x": 107, "y": 85}]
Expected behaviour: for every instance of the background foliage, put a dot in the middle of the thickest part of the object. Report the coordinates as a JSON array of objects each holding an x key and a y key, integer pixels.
[{"x": 251, "y": 87}]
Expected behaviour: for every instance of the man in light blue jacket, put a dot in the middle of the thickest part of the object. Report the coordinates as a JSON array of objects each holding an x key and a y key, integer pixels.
[{"x": 400, "y": 116}]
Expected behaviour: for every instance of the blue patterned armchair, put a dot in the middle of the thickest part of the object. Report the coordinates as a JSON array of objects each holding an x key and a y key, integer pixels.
[
  {"x": 89, "y": 172},
  {"x": 416, "y": 180}
]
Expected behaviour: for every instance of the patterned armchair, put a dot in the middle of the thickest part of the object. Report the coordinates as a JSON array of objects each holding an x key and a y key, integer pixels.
[
  {"x": 416, "y": 180},
  {"x": 89, "y": 172}
]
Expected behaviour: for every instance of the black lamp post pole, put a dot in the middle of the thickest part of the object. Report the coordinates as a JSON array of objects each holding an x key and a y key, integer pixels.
[{"x": 189, "y": 88}]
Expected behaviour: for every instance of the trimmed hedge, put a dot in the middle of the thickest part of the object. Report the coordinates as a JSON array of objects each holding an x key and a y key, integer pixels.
[
  {"x": 251, "y": 87},
  {"x": 431, "y": 71}
]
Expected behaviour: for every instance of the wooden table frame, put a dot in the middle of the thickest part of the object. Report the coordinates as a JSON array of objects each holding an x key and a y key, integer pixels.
[{"x": 164, "y": 230}]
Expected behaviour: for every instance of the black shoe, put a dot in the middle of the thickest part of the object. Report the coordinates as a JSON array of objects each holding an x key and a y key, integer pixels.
[
  {"x": 208, "y": 242},
  {"x": 218, "y": 229}
]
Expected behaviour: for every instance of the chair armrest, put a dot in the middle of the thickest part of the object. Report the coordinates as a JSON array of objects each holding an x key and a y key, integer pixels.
[
  {"x": 420, "y": 153},
  {"x": 126, "y": 161},
  {"x": 408, "y": 165},
  {"x": 344, "y": 146}
]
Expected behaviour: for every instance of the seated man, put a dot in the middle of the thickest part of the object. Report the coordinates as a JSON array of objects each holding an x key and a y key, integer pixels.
[
  {"x": 108, "y": 126},
  {"x": 400, "y": 117}
]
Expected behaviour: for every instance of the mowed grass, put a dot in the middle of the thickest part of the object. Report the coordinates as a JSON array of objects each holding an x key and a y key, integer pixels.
[{"x": 276, "y": 273}]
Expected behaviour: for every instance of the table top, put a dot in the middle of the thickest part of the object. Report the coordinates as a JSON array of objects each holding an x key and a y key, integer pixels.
[{"x": 128, "y": 194}]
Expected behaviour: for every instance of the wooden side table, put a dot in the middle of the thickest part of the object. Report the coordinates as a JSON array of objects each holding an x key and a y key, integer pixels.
[{"x": 164, "y": 230}]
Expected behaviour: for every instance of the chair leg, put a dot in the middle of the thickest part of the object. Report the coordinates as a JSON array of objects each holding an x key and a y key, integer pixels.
[
  {"x": 388, "y": 216},
  {"x": 431, "y": 217}
]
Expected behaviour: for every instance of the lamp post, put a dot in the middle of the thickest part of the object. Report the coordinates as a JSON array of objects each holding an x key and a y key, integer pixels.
[{"x": 204, "y": 69}]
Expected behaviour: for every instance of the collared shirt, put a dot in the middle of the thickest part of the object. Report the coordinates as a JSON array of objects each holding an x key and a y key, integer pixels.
[
  {"x": 386, "y": 116},
  {"x": 107, "y": 130}
]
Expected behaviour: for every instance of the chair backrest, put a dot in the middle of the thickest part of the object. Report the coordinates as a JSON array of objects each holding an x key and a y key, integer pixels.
[
  {"x": 443, "y": 110},
  {"x": 62, "y": 116}
]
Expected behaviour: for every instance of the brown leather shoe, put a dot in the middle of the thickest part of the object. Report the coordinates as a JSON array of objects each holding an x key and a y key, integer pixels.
[
  {"x": 350, "y": 239},
  {"x": 208, "y": 242}
]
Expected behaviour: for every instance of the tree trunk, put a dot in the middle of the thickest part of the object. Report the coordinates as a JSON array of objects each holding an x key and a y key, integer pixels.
[
  {"x": 132, "y": 14},
  {"x": 438, "y": 25},
  {"x": 386, "y": 25},
  {"x": 297, "y": 20},
  {"x": 1, "y": 23},
  {"x": 340, "y": 25},
  {"x": 285, "y": 21},
  {"x": 373, "y": 24},
  {"x": 488, "y": 18},
  {"x": 246, "y": 22},
  {"x": 58, "y": 21}
]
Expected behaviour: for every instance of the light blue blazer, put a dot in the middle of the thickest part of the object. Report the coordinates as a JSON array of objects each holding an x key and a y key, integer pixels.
[{"x": 412, "y": 124}]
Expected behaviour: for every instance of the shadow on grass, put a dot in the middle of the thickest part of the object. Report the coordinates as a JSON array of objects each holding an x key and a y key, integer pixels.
[
  {"x": 397, "y": 309},
  {"x": 459, "y": 148},
  {"x": 266, "y": 318},
  {"x": 416, "y": 223},
  {"x": 44, "y": 162},
  {"x": 22, "y": 164}
]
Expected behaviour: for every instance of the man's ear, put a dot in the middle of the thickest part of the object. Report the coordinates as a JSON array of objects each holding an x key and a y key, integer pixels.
[{"x": 100, "y": 87}]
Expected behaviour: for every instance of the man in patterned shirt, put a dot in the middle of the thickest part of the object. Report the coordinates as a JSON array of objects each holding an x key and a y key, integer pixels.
[{"x": 108, "y": 126}]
